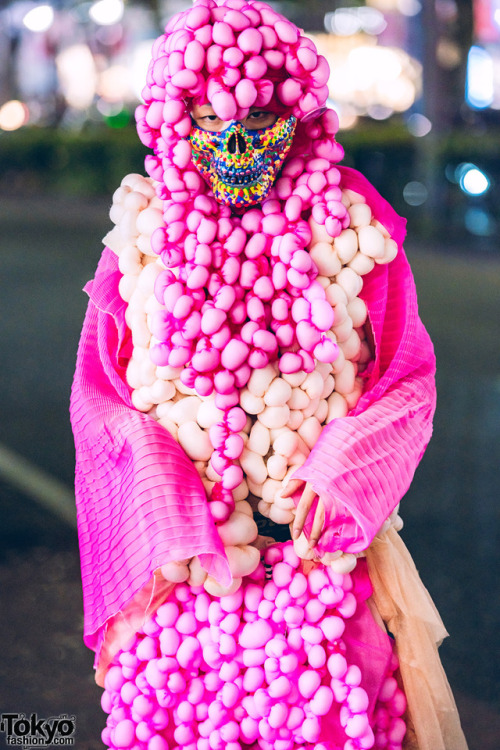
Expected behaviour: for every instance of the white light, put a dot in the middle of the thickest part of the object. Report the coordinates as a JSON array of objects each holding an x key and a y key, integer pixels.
[
  {"x": 475, "y": 182},
  {"x": 139, "y": 62},
  {"x": 77, "y": 75},
  {"x": 419, "y": 125},
  {"x": 480, "y": 88},
  {"x": 472, "y": 180},
  {"x": 13, "y": 115},
  {"x": 343, "y": 21},
  {"x": 409, "y": 7},
  {"x": 371, "y": 20},
  {"x": 348, "y": 21},
  {"x": 114, "y": 83},
  {"x": 106, "y": 12},
  {"x": 39, "y": 19}
]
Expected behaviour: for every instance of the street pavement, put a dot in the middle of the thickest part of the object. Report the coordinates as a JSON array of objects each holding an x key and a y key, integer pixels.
[{"x": 49, "y": 250}]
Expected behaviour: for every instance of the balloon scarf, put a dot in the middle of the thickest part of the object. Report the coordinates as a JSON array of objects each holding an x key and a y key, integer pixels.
[{"x": 239, "y": 291}]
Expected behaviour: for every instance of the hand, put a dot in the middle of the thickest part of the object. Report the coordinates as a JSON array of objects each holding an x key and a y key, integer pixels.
[{"x": 306, "y": 502}]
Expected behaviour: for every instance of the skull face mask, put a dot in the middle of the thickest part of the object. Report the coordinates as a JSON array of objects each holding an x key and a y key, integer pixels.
[{"x": 241, "y": 165}]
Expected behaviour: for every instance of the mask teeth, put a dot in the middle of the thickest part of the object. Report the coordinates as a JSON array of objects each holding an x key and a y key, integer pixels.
[{"x": 245, "y": 178}]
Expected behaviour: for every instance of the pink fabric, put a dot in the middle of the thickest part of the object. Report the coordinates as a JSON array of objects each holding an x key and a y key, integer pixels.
[
  {"x": 363, "y": 464},
  {"x": 140, "y": 501}
]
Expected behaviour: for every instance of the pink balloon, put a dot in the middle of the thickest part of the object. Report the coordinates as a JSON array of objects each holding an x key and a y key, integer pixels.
[
  {"x": 230, "y": 78},
  {"x": 258, "y": 359},
  {"x": 212, "y": 320},
  {"x": 124, "y": 734},
  {"x": 255, "y": 68},
  {"x": 264, "y": 288},
  {"x": 289, "y": 91},
  {"x": 233, "y": 56},
  {"x": 234, "y": 355},
  {"x": 245, "y": 93},
  {"x": 222, "y": 34},
  {"x": 237, "y": 20},
  {"x": 173, "y": 111},
  {"x": 290, "y": 362},
  {"x": 194, "y": 56},
  {"x": 233, "y": 476},
  {"x": 308, "y": 58},
  {"x": 250, "y": 41},
  {"x": 265, "y": 91},
  {"x": 197, "y": 17},
  {"x": 322, "y": 315},
  {"x": 213, "y": 63},
  {"x": 264, "y": 340},
  {"x": 274, "y": 58},
  {"x": 185, "y": 79},
  {"x": 309, "y": 681},
  {"x": 197, "y": 278}
]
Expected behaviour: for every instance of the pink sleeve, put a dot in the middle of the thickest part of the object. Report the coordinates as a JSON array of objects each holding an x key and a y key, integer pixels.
[
  {"x": 139, "y": 498},
  {"x": 363, "y": 464}
]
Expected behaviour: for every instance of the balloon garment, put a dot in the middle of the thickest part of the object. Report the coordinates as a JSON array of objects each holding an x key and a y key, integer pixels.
[{"x": 244, "y": 329}]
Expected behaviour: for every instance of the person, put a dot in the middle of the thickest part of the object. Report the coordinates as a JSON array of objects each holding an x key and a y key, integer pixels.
[{"x": 253, "y": 392}]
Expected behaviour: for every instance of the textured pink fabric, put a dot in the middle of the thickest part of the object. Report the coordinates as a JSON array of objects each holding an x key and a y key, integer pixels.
[
  {"x": 363, "y": 464},
  {"x": 140, "y": 501}
]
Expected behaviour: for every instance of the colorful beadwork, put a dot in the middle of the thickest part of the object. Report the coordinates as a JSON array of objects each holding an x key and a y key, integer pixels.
[{"x": 241, "y": 165}]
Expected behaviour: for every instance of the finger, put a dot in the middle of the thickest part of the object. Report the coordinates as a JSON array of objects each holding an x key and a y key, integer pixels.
[
  {"x": 292, "y": 487},
  {"x": 318, "y": 524},
  {"x": 303, "y": 508}
]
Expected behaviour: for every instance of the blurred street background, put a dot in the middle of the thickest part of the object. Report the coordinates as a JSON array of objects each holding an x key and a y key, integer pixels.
[{"x": 416, "y": 84}]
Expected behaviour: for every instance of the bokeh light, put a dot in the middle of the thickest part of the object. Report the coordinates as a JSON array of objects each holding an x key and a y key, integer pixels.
[
  {"x": 479, "y": 222},
  {"x": 13, "y": 115},
  {"x": 471, "y": 179},
  {"x": 419, "y": 125},
  {"x": 480, "y": 79},
  {"x": 367, "y": 77},
  {"x": 415, "y": 193},
  {"x": 77, "y": 75},
  {"x": 39, "y": 19},
  {"x": 107, "y": 12},
  {"x": 348, "y": 21}
]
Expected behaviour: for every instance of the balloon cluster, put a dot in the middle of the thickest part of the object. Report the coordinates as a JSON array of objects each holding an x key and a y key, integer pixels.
[
  {"x": 235, "y": 54},
  {"x": 264, "y": 667},
  {"x": 231, "y": 282},
  {"x": 279, "y": 415}
]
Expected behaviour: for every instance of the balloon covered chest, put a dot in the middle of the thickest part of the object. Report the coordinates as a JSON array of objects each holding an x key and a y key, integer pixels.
[
  {"x": 249, "y": 418},
  {"x": 239, "y": 164}
]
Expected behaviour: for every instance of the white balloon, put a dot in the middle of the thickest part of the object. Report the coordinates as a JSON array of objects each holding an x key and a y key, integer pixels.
[
  {"x": 346, "y": 245},
  {"x": 260, "y": 439},
  {"x": 194, "y": 441},
  {"x": 238, "y": 529},
  {"x": 261, "y": 379}
]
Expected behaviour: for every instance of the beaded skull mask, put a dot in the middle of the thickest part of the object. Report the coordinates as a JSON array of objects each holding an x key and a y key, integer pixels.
[{"x": 241, "y": 165}]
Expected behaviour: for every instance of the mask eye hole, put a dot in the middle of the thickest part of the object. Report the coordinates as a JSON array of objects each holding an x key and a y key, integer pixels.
[
  {"x": 207, "y": 120},
  {"x": 259, "y": 119}
]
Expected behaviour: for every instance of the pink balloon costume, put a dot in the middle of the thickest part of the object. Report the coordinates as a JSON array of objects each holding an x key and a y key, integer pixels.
[{"x": 253, "y": 318}]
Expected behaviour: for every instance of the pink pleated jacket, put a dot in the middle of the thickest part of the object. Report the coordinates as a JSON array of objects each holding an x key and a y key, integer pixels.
[{"x": 139, "y": 498}]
